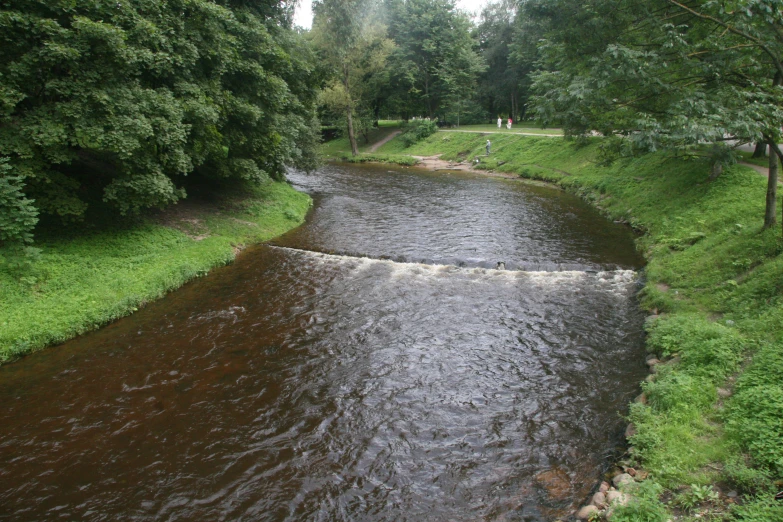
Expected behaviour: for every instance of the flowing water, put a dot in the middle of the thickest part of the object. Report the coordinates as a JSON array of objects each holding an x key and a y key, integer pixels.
[{"x": 371, "y": 365}]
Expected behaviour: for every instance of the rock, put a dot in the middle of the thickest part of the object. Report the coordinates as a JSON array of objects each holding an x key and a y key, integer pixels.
[
  {"x": 622, "y": 479},
  {"x": 604, "y": 487},
  {"x": 650, "y": 378},
  {"x": 732, "y": 494},
  {"x": 599, "y": 500},
  {"x": 630, "y": 431},
  {"x": 555, "y": 482},
  {"x": 631, "y": 471},
  {"x": 649, "y": 357},
  {"x": 615, "y": 498},
  {"x": 641, "y": 474},
  {"x": 586, "y": 512},
  {"x": 723, "y": 393},
  {"x": 609, "y": 513},
  {"x": 641, "y": 398},
  {"x": 652, "y": 363}
]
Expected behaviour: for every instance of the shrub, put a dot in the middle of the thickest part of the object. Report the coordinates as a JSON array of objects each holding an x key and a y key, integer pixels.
[
  {"x": 18, "y": 216},
  {"x": 417, "y": 131}
]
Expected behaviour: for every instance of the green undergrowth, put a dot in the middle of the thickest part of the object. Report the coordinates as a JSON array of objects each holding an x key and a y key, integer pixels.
[
  {"x": 396, "y": 159},
  {"x": 340, "y": 147},
  {"x": 713, "y": 415},
  {"x": 82, "y": 282}
]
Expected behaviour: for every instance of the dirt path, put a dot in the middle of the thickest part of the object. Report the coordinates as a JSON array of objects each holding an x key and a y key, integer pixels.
[
  {"x": 764, "y": 171},
  {"x": 384, "y": 141}
]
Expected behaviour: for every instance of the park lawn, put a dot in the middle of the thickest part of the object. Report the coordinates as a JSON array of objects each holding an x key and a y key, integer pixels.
[
  {"x": 83, "y": 282},
  {"x": 526, "y": 128},
  {"x": 713, "y": 414}
]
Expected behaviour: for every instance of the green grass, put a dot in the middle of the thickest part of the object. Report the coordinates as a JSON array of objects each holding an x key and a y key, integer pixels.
[
  {"x": 715, "y": 276},
  {"x": 339, "y": 147},
  {"x": 527, "y": 128},
  {"x": 85, "y": 281},
  {"x": 748, "y": 158}
]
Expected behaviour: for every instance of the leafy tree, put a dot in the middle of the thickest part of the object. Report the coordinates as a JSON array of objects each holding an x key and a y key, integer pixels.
[
  {"x": 502, "y": 36},
  {"x": 665, "y": 75},
  {"x": 119, "y": 101},
  {"x": 435, "y": 61},
  {"x": 355, "y": 46}
]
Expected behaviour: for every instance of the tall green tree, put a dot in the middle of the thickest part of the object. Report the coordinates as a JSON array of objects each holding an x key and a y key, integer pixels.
[
  {"x": 436, "y": 61},
  {"x": 119, "y": 101},
  {"x": 353, "y": 42},
  {"x": 665, "y": 75}
]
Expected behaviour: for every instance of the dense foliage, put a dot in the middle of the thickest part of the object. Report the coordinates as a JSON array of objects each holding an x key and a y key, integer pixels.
[{"x": 117, "y": 101}]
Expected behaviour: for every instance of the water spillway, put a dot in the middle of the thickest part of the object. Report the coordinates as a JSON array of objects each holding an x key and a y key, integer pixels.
[{"x": 371, "y": 365}]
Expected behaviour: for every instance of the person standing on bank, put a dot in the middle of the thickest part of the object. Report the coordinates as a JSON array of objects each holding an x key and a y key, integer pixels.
[
  {"x": 509, "y": 123},
  {"x": 500, "y": 122},
  {"x": 488, "y": 146}
]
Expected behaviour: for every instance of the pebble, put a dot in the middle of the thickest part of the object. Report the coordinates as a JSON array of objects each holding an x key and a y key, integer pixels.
[
  {"x": 723, "y": 393},
  {"x": 604, "y": 487},
  {"x": 586, "y": 511}
]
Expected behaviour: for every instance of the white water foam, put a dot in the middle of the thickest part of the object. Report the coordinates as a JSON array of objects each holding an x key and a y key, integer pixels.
[{"x": 617, "y": 281}]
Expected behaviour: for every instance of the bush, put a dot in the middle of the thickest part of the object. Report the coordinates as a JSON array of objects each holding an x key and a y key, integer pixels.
[{"x": 417, "y": 131}]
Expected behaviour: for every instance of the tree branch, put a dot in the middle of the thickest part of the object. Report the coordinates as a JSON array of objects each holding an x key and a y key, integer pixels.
[{"x": 734, "y": 30}]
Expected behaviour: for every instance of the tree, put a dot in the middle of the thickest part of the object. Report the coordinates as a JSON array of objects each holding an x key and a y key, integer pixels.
[
  {"x": 117, "y": 102},
  {"x": 435, "y": 61},
  {"x": 664, "y": 75},
  {"x": 356, "y": 48}
]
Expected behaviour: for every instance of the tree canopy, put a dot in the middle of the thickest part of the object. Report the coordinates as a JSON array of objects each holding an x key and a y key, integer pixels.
[{"x": 115, "y": 102}]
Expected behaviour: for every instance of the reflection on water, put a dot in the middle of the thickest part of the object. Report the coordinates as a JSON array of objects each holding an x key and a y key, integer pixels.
[{"x": 303, "y": 386}]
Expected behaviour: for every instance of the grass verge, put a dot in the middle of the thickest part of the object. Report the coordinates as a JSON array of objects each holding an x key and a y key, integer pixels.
[
  {"x": 710, "y": 421},
  {"x": 82, "y": 282}
]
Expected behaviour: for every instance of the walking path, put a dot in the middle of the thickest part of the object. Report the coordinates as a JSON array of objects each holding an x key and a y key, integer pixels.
[
  {"x": 503, "y": 132},
  {"x": 764, "y": 171}
]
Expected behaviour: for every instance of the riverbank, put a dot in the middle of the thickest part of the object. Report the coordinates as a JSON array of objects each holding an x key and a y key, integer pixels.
[
  {"x": 707, "y": 433},
  {"x": 83, "y": 282}
]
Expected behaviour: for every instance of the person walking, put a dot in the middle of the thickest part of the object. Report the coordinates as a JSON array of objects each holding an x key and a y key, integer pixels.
[
  {"x": 509, "y": 123},
  {"x": 488, "y": 146},
  {"x": 500, "y": 122}
]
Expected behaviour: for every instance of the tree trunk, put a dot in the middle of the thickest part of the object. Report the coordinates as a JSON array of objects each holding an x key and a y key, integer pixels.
[
  {"x": 717, "y": 170},
  {"x": 760, "y": 150},
  {"x": 772, "y": 189},
  {"x": 351, "y": 135}
]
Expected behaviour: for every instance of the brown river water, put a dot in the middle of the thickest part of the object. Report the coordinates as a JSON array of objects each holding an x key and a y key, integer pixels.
[{"x": 371, "y": 365}]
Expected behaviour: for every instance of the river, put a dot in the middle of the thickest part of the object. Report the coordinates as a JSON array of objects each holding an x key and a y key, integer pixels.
[{"x": 371, "y": 365}]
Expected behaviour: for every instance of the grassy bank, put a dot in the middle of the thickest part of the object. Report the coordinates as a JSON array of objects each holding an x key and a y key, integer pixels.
[
  {"x": 85, "y": 281},
  {"x": 710, "y": 421}
]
